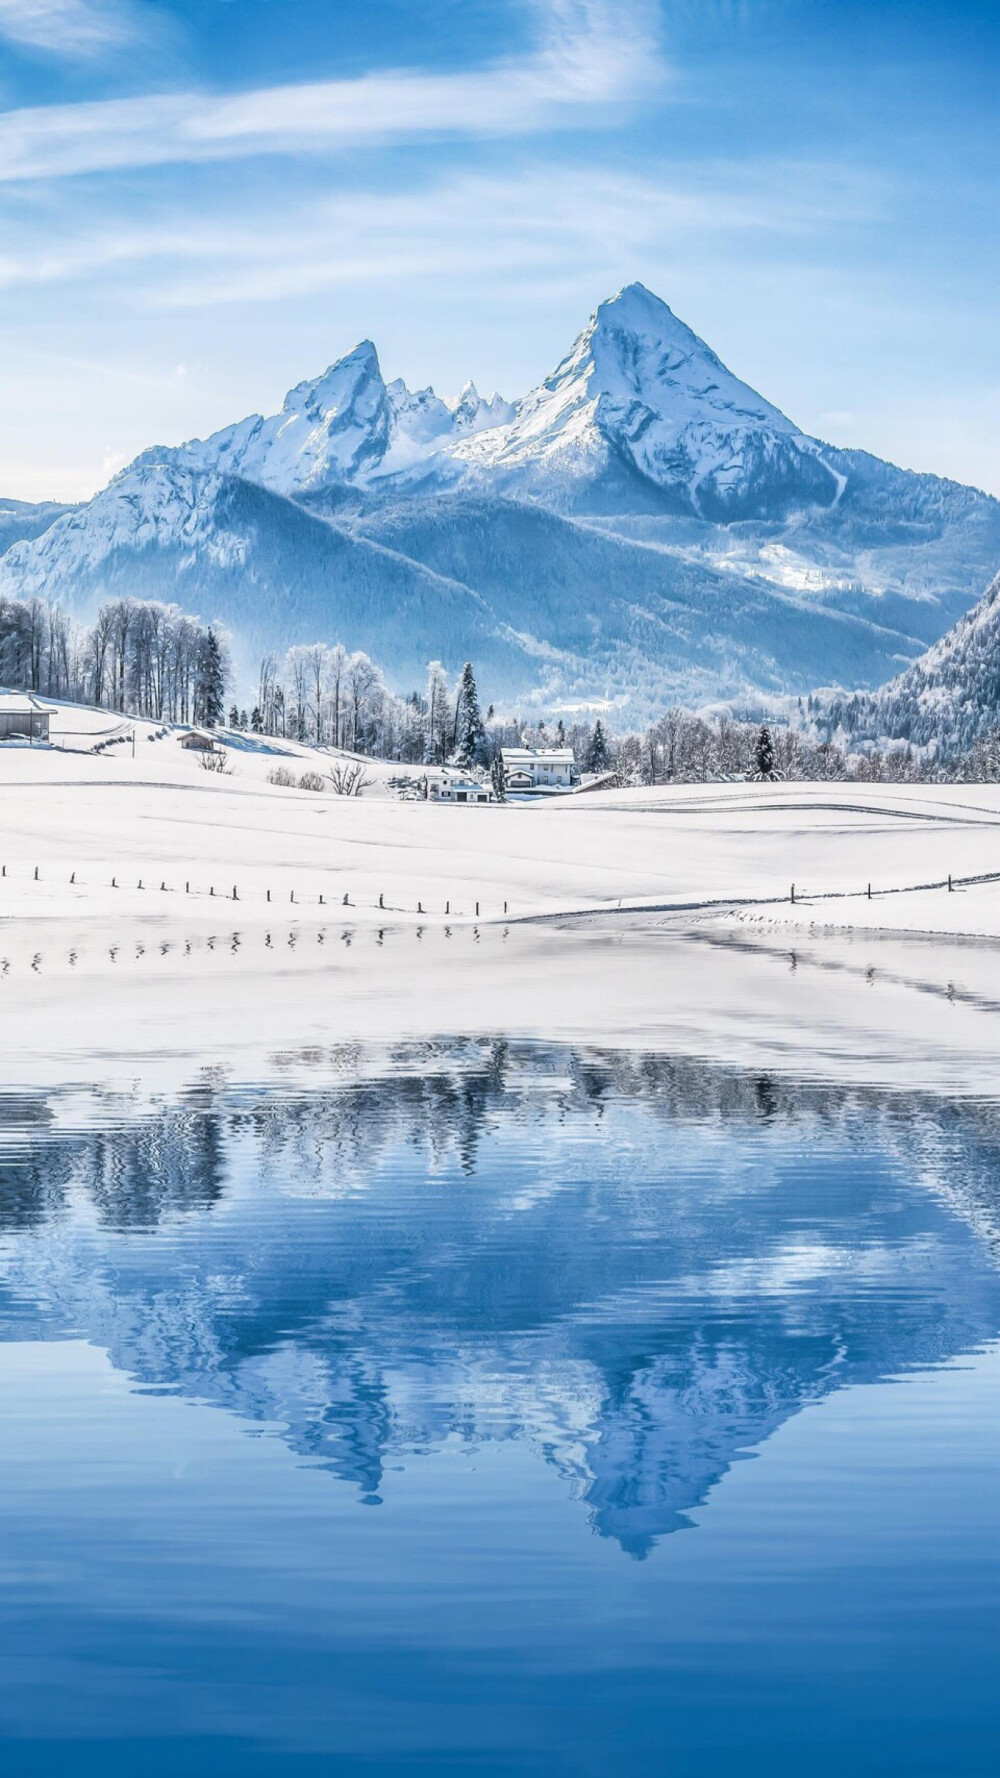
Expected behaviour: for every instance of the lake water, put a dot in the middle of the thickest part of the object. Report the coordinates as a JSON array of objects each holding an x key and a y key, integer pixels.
[{"x": 499, "y": 1408}]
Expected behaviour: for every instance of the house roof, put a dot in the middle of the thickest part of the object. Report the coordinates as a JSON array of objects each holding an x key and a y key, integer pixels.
[
  {"x": 21, "y": 703},
  {"x": 526, "y": 756}
]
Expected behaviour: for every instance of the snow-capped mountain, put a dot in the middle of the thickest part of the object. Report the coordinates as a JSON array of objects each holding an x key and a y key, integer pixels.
[
  {"x": 640, "y": 390},
  {"x": 346, "y": 426},
  {"x": 642, "y": 527}
]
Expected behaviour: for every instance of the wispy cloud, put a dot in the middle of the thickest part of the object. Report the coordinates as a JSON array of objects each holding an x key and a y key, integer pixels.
[
  {"x": 590, "y": 53},
  {"x": 78, "y": 30},
  {"x": 544, "y": 218}
]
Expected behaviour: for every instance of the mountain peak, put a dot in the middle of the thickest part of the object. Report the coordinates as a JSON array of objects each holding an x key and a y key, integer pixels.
[
  {"x": 640, "y": 389},
  {"x": 342, "y": 380},
  {"x": 635, "y": 300}
]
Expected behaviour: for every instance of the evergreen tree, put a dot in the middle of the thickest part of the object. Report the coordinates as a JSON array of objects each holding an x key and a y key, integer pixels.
[
  {"x": 498, "y": 779},
  {"x": 234, "y": 717},
  {"x": 256, "y": 720},
  {"x": 763, "y": 755},
  {"x": 470, "y": 732},
  {"x": 438, "y": 722},
  {"x": 598, "y": 753},
  {"x": 210, "y": 689}
]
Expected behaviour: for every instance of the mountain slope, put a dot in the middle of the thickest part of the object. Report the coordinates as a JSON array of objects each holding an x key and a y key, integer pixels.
[
  {"x": 948, "y": 698},
  {"x": 641, "y": 525},
  {"x": 261, "y": 564},
  {"x": 661, "y": 629},
  {"x": 21, "y": 519}
]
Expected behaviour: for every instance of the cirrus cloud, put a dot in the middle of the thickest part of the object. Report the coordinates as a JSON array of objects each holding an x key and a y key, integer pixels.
[
  {"x": 79, "y": 30},
  {"x": 591, "y": 53}
]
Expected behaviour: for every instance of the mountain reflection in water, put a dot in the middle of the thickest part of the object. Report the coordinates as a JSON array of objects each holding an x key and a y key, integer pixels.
[{"x": 637, "y": 1268}]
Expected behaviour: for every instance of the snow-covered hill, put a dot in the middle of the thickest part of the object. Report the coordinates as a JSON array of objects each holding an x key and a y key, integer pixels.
[{"x": 641, "y": 526}]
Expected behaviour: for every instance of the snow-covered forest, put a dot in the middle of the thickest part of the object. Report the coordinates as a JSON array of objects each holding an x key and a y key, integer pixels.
[{"x": 143, "y": 658}]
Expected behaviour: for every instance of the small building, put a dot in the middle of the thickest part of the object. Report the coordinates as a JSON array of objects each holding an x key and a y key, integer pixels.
[
  {"x": 449, "y": 789},
  {"x": 199, "y": 740},
  {"x": 22, "y": 717},
  {"x": 539, "y": 768}
]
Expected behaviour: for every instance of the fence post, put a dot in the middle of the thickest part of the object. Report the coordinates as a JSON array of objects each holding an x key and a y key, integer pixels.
[
  {"x": 869, "y": 892},
  {"x": 793, "y": 893},
  {"x": 235, "y": 896},
  {"x": 381, "y": 901},
  {"x": 477, "y": 910},
  {"x": 950, "y": 889},
  {"x": 36, "y": 873},
  {"x": 419, "y": 908}
]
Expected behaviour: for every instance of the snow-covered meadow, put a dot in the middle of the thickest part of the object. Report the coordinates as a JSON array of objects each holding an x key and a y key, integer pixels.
[
  {"x": 657, "y": 917},
  {"x": 97, "y": 825}
]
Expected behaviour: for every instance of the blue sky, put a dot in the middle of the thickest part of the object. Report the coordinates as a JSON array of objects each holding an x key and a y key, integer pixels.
[{"x": 204, "y": 201}]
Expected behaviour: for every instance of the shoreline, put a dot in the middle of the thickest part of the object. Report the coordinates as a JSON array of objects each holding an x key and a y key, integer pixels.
[{"x": 150, "y": 1005}]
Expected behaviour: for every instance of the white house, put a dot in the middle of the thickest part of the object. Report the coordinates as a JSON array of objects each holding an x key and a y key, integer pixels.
[
  {"x": 448, "y": 789},
  {"x": 22, "y": 717},
  {"x": 544, "y": 768}
]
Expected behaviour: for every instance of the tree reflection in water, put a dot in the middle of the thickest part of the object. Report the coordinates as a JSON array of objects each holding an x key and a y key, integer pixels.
[{"x": 640, "y": 1266}]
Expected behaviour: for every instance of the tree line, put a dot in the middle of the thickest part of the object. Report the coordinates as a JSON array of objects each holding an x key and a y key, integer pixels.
[
  {"x": 138, "y": 656},
  {"x": 153, "y": 660}
]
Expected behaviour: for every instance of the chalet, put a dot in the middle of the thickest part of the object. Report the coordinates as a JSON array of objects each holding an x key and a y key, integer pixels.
[
  {"x": 198, "y": 740},
  {"x": 450, "y": 789},
  {"x": 22, "y": 717},
  {"x": 529, "y": 768}
]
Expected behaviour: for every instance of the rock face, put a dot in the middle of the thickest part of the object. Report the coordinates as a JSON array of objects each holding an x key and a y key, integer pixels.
[{"x": 641, "y": 526}]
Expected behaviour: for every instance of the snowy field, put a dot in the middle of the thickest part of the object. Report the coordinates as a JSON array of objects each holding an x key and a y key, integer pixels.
[
  {"x": 95, "y": 826},
  {"x": 657, "y": 918}
]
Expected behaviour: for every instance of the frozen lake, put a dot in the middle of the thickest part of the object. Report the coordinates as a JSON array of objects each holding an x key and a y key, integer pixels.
[{"x": 502, "y": 1407}]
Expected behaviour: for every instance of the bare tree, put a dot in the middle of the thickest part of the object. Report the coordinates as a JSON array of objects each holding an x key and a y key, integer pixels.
[{"x": 348, "y": 777}]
